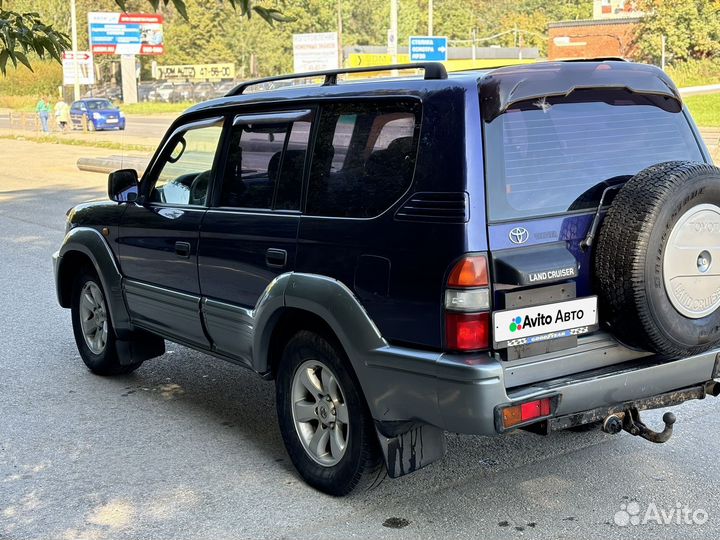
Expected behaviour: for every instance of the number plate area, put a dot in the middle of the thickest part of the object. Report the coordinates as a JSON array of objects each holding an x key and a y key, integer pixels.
[{"x": 528, "y": 325}]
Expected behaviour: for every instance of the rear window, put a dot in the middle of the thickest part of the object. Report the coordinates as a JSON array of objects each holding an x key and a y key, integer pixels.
[
  {"x": 364, "y": 158},
  {"x": 555, "y": 155}
]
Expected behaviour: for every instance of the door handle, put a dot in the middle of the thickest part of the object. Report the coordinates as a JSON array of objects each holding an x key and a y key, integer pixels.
[
  {"x": 276, "y": 258},
  {"x": 182, "y": 249}
]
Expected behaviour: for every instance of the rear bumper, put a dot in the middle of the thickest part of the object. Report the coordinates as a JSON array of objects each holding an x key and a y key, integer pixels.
[{"x": 463, "y": 393}]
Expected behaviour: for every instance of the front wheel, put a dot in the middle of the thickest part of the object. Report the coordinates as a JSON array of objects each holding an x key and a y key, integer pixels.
[
  {"x": 94, "y": 334},
  {"x": 324, "y": 421}
]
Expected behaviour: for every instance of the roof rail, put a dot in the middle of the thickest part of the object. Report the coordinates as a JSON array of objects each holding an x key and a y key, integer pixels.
[{"x": 433, "y": 71}]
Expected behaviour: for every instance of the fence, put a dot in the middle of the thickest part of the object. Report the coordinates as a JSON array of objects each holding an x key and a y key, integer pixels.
[{"x": 31, "y": 122}]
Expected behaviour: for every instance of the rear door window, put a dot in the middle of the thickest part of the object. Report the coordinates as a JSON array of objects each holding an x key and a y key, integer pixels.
[
  {"x": 364, "y": 158},
  {"x": 266, "y": 161},
  {"x": 556, "y": 155}
]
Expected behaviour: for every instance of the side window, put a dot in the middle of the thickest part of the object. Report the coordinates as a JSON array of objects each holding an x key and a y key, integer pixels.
[
  {"x": 187, "y": 169},
  {"x": 265, "y": 165},
  {"x": 364, "y": 158}
]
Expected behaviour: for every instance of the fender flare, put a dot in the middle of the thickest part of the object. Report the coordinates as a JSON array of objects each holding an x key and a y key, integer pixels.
[
  {"x": 329, "y": 299},
  {"x": 91, "y": 243}
]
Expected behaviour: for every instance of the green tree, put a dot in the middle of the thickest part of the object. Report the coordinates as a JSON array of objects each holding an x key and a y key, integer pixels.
[
  {"x": 691, "y": 29},
  {"x": 26, "y": 33}
]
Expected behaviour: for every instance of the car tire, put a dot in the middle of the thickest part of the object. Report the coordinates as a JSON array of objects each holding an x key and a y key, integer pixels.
[
  {"x": 94, "y": 334},
  {"x": 653, "y": 260},
  {"x": 329, "y": 433}
]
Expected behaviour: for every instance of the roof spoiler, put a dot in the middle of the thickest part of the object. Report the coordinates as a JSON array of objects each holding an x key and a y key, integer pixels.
[
  {"x": 433, "y": 71},
  {"x": 504, "y": 87}
]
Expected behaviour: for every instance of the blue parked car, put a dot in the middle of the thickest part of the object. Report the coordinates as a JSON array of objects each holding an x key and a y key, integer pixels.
[
  {"x": 99, "y": 113},
  {"x": 528, "y": 247}
]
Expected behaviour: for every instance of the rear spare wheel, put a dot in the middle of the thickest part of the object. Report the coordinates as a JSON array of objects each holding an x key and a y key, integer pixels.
[{"x": 657, "y": 260}]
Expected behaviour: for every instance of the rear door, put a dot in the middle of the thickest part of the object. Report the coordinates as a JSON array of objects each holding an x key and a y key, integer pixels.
[
  {"x": 158, "y": 238},
  {"x": 552, "y": 163},
  {"x": 249, "y": 236}
]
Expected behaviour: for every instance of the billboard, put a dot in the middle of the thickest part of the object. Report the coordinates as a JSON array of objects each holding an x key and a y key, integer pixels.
[
  {"x": 315, "y": 52},
  {"x": 78, "y": 64},
  {"x": 126, "y": 33},
  {"x": 197, "y": 72}
]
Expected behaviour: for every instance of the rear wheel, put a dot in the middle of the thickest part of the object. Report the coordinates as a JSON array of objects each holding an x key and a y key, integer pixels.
[
  {"x": 94, "y": 334},
  {"x": 324, "y": 421}
]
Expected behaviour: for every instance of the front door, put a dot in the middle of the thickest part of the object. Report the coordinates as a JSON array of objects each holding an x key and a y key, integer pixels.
[
  {"x": 248, "y": 237},
  {"x": 158, "y": 239}
]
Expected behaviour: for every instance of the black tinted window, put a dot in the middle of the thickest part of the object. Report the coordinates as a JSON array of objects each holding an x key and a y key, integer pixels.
[
  {"x": 265, "y": 165},
  {"x": 364, "y": 158},
  {"x": 559, "y": 154}
]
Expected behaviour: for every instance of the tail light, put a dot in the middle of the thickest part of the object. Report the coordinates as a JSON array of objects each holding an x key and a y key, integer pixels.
[
  {"x": 524, "y": 412},
  {"x": 467, "y": 305}
]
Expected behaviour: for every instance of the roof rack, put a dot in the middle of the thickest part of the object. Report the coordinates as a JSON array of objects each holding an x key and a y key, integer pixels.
[{"x": 433, "y": 71}]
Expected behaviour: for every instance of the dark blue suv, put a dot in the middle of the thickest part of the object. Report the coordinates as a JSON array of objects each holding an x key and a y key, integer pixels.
[{"x": 528, "y": 247}]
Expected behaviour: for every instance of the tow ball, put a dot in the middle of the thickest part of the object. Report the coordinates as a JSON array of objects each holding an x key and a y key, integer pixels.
[{"x": 629, "y": 420}]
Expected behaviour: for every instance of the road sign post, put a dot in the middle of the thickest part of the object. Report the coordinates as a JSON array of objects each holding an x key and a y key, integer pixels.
[
  {"x": 428, "y": 49},
  {"x": 78, "y": 68}
]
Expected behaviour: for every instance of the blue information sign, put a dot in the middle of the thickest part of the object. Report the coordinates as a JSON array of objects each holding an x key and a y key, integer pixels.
[{"x": 428, "y": 49}]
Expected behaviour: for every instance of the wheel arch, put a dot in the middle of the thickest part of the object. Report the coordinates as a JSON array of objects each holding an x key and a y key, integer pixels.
[
  {"x": 317, "y": 303},
  {"x": 86, "y": 246}
]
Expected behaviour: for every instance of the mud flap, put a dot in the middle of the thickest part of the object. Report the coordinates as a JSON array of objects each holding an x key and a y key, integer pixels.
[
  {"x": 412, "y": 450},
  {"x": 142, "y": 346}
]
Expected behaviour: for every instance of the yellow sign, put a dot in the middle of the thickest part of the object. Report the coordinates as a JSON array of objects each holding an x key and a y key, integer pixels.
[
  {"x": 197, "y": 72},
  {"x": 369, "y": 60}
]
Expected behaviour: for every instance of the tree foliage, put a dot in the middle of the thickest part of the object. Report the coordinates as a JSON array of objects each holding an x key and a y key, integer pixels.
[
  {"x": 691, "y": 29},
  {"x": 199, "y": 31},
  {"x": 24, "y": 34}
]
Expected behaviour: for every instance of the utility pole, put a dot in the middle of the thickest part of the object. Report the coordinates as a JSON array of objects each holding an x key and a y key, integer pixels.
[
  {"x": 339, "y": 33},
  {"x": 73, "y": 31},
  {"x": 474, "y": 43},
  {"x": 662, "y": 52},
  {"x": 430, "y": 17},
  {"x": 393, "y": 33}
]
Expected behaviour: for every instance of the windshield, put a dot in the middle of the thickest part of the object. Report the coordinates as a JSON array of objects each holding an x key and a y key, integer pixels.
[
  {"x": 558, "y": 154},
  {"x": 99, "y": 104}
]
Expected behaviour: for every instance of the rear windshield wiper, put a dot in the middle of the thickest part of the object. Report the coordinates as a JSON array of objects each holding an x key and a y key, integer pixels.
[{"x": 596, "y": 220}]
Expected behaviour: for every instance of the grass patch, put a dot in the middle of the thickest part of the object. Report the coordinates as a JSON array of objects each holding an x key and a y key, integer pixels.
[
  {"x": 59, "y": 139},
  {"x": 28, "y": 103},
  {"x": 18, "y": 103},
  {"x": 695, "y": 72},
  {"x": 705, "y": 109}
]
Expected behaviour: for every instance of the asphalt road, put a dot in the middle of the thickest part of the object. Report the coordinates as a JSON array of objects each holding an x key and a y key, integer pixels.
[{"x": 188, "y": 446}]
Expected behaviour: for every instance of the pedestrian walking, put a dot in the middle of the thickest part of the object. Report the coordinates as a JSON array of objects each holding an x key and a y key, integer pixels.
[
  {"x": 43, "y": 110},
  {"x": 62, "y": 114}
]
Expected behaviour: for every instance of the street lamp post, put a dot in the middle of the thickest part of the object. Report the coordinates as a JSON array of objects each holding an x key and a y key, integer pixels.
[{"x": 73, "y": 31}]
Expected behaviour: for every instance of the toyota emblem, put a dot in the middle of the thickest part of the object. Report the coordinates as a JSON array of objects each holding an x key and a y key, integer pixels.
[{"x": 519, "y": 235}]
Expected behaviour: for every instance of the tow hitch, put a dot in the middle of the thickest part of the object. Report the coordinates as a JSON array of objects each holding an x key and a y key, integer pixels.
[{"x": 629, "y": 420}]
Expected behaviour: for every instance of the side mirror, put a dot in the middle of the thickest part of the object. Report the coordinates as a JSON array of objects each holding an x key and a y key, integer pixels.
[{"x": 123, "y": 185}]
